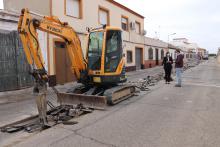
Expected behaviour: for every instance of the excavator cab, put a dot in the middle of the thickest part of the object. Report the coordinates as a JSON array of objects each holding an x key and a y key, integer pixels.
[{"x": 105, "y": 56}]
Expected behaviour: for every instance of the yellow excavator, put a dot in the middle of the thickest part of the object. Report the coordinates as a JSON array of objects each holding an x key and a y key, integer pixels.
[{"x": 101, "y": 73}]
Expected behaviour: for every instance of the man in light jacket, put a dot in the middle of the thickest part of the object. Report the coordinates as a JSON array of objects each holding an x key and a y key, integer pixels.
[{"x": 179, "y": 68}]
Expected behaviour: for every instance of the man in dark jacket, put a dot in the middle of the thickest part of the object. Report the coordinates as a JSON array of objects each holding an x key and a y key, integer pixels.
[
  {"x": 167, "y": 65},
  {"x": 179, "y": 68}
]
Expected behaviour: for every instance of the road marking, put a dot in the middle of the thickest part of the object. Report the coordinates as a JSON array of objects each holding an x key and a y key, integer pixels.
[{"x": 202, "y": 85}]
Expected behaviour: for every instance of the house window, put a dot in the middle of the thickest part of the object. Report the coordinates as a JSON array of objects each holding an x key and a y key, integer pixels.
[
  {"x": 162, "y": 54},
  {"x": 124, "y": 23},
  {"x": 138, "y": 27},
  {"x": 103, "y": 16},
  {"x": 129, "y": 57},
  {"x": 150, "y": 54},
  {"x": 74, "y": 8}
]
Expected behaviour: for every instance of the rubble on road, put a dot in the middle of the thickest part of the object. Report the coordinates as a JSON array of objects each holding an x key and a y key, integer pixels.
[
  {"x": 191, "y": 63},
  {"x": 144, "y": 83},
  {"x": 57, "y": 115}
]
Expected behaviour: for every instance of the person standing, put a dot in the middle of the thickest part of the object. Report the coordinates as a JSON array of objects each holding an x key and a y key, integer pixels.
[
  {"x": 167, "y": 65},
  {"x": 179, "y": 68}
]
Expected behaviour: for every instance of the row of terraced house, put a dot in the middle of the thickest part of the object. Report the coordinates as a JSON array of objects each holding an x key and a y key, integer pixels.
[{"x": 140, "y": 51}]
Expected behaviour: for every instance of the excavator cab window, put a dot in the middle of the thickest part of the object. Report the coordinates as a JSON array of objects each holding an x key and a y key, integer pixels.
[
  {"x": 113, "y": 53},
  {"x": 95, "y": 50}
]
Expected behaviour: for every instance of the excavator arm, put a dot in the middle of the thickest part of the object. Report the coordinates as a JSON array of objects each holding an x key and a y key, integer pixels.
[{"x": 27, "y": 28}]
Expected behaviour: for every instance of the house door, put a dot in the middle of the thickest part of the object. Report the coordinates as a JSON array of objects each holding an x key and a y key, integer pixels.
[
  {"x": 63, "y": 64},
  {"x": 138, "y": 58},
  {"x": 157, "y": 57}
]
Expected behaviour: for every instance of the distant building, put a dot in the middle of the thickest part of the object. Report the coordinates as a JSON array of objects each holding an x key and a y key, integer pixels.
[
  {"x": 155, "y": 50},
  {"x": 218, "y": 55},
  {"x": 201, "y": 52},
  {"x": 190, "y": 50}
]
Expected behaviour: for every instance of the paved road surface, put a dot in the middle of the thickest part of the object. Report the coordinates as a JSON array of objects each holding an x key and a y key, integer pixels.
[{"x": 165, "y": 117}]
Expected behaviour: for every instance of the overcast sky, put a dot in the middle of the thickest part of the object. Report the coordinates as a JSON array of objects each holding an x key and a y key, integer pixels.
[{"x": 197, "y": 20}]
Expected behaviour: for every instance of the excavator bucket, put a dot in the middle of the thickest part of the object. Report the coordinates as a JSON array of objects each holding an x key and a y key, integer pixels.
[{"x": 91, "y": 101}]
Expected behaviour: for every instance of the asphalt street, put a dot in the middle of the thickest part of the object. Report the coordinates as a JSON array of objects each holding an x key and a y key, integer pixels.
[{"x": 166, "y": 116}]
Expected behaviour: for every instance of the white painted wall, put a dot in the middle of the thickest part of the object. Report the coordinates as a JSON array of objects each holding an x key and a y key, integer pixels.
[
  {"x": 172, "y": 51},
  {"x": 7, "y": 26},
  {"x": 8, "y": 21},
  {"x": 185, "y": 45},
  {"x": 39, "y": 6},
  {"x": 154, "y": 44}
]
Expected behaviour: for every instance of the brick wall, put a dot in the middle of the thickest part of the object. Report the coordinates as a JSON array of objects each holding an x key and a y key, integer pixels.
[{"x": 149, "y": 63}]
